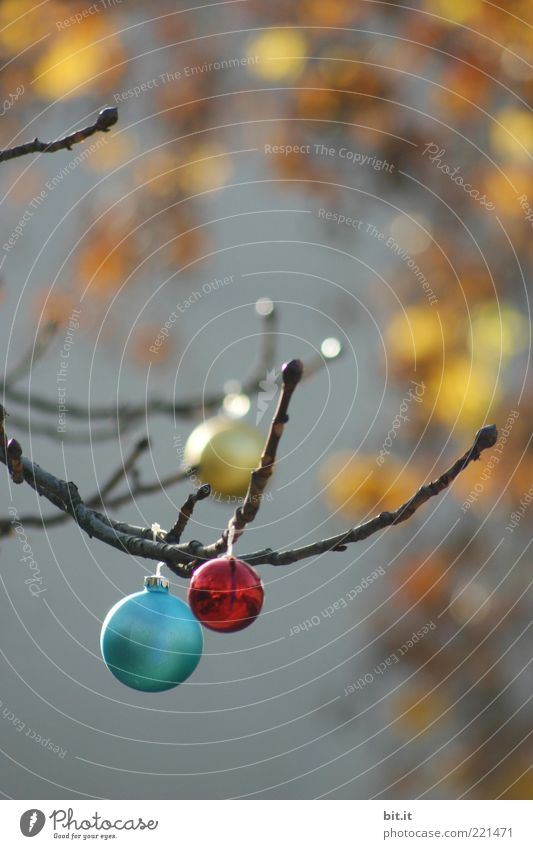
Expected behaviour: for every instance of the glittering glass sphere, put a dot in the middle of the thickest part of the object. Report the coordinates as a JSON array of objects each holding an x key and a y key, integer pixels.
[
  {"x": 226, "y": 594},
  {"x": 151, "y": 640},
  {"x": 225, "y": 452}
]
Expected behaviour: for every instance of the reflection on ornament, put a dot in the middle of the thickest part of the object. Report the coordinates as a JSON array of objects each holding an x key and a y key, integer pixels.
[
  {"x": 236, "y": 405},
  {"x": 226, "y": 594}
]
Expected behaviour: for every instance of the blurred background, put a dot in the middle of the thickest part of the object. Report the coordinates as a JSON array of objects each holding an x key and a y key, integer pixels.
[{"x": 349, "y": 183}]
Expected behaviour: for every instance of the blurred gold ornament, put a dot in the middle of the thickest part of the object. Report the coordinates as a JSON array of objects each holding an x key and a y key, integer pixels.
[{"x": 225, "y": 452}]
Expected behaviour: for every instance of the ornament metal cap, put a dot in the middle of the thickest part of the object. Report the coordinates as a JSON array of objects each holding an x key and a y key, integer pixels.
[{"x": 152, "y": 582}]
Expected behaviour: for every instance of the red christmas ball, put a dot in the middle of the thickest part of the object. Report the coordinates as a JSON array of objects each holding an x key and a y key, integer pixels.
[{"x": 226, "y": 594}]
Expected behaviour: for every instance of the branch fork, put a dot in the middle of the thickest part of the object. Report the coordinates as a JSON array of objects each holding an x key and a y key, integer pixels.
[{"x": 182, "y": 559}]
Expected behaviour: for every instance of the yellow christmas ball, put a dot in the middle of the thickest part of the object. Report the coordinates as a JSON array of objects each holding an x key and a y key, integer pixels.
[{"x": 225, "y": 451}]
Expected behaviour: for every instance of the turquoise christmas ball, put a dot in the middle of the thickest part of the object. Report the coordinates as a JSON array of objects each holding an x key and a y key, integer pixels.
[{"x": 151, "y": 640}]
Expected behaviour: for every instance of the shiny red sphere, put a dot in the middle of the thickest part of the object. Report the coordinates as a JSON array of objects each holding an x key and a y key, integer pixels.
[{"x": 226, "y": 594}]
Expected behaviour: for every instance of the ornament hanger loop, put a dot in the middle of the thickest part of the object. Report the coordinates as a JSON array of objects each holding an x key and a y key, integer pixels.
[
  {"x": 231, "y": 537},
  {"x": 156, "y": 529}
]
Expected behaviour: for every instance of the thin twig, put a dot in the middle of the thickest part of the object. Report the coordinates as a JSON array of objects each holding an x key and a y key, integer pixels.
[
  {"x": 159, "y": 485},
  {"x": 3, "y": 437},
  {"x": 126, "y": 415},
  {"x": 246, "y": 513},
  {"x": 485, "y": 438},
  {"x": 65, "y": 496},
  {"x": 32, "y": 355},
  {"x": 14, "y": 461},
  {"x": 267, "y": 352},
  {"x": 122, "y": 471},
  {"x": 186, "y": 510},
  {"x": 106, "y": 118},
  {"x": 76, "y": 437}
]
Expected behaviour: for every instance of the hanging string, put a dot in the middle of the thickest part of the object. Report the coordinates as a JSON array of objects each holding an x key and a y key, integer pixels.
[
  {"x": 231, "y": 537},
  {"x": 156, "y": 529}
]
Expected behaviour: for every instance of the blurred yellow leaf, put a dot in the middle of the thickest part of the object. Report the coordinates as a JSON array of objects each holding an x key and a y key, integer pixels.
[
  {"x": 423, "y": 577},
  {"x": 22, "y": 23},
  {"x": 73, "y": 60},
  {"x": 331, "y": 13},
  {"x": 414, "y": 709},
  {"x": 456, "y": 11},
  {"x": 505, "y": 187},
  {"x": 339, "y": 66},
  {"x": 208, "y": 167},
  {"x": 117, "y": 150},
  {"x": 143, "y": 339},
  {"x": 101, "y": 263},
  {"x": 512, "y": 133},
  {"x": 498, "y": 331},
  {"x": 419, "y": 335},
  {"x": 357, "y": 485},
  {"x": 158, "y": 172},
  {"x": 281, "y": 54},
  {"x": 467, "y": 393},
  {"x": 52, "y": 305}
]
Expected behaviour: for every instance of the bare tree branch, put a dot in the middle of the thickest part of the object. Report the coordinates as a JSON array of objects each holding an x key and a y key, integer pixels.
[
  {"x": 3, "y": 437},
  {"x": 77, "y": 437},
  {"x": 106, "y": 118},
  {"x": 136, "y": 541},
  {"x": 102, "y": 499},
  {"x": 485, "y": 438},
  {"x": 267, "y": 354},
  {"x": 181, "y": 559},
  {"x": 292, "y": 374},
  {"x": 174, "y": 535},
  {"x": 14, "y": 461}
]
